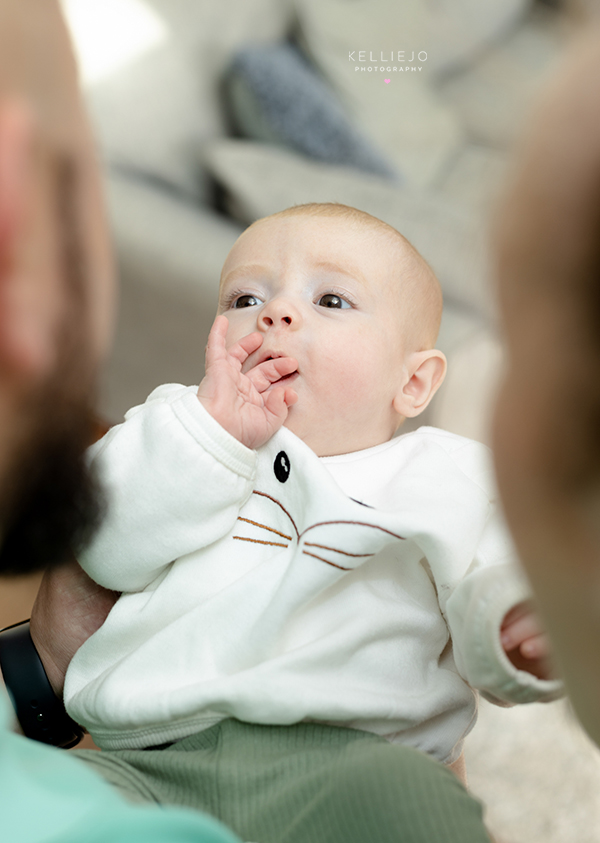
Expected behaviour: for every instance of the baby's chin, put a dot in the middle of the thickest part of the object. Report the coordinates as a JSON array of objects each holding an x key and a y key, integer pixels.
[{"x": 325, "y": 442}]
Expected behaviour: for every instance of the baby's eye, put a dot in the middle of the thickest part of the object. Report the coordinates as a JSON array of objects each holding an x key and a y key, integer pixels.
[
  {"x": 332, "y": 300},
  {"x": 245, "y": 301}
]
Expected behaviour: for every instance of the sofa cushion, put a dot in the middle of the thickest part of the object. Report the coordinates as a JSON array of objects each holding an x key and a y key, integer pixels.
[
  {"x": 260, "y": 180},
  {"x": 460, "y": 29},
  {"x": 353, "y": 44},
  {"x": 275, "y": 96},
  {"x": 495, "y": 93}
]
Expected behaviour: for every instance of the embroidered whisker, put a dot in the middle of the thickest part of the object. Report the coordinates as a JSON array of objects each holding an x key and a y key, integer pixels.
[
  {"x": 264, "y": 527},
  {"x": 354, "y": 523},
  {"x": 336, "y": 550},
  {"x": 280, "y": 505},
  {"x": 258, "y": 541},
  {"x": 327, "y": 562}
]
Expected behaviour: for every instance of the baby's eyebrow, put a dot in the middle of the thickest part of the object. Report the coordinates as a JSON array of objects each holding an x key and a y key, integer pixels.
[
  {"x": 354, "y": 273},
  {"x": 248, "y": 271},
  {"x": 251, "y": 271}
]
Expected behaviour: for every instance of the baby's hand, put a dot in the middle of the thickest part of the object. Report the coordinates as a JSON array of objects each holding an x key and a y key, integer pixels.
[
  {"x": 524, "y": 641},
  {"x": 244, "y": 404}
]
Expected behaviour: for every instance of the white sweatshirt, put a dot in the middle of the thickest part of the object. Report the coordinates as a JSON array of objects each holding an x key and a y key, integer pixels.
[{"x": 365, "y": 590}]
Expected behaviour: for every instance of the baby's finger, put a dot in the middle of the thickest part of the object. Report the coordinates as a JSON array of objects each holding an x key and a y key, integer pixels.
[
  {"x": 243, "y": 348},
  {"x": 276, "y": 406},
  {"x": 515, "y": 633},
  {"x": 271, "y": 371},
  {"x": 537, "y": 647},
  {"x": 517, "y": 612},
  {"x": 278, "y": 401},
  {"x": 215, "y": 346}
]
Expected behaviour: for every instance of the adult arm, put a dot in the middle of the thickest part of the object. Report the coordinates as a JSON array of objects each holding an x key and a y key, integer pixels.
[{"x": 69, "y": 608}]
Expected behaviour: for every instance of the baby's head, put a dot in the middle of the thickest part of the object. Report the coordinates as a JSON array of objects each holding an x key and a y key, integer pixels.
[{"x": 356, "y": 305}]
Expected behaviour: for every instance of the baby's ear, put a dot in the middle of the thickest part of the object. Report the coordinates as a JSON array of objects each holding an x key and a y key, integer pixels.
[{"x": 425, "y": 372}]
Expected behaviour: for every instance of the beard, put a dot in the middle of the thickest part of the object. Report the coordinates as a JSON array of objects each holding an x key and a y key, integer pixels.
[
  {"x": 54, "y": 501},
  {"x": 51, "y": 503}
]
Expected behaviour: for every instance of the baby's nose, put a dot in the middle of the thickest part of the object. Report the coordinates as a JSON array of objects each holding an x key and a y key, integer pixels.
[
  {"x": 268, "y": 320},
  {"x": 279, "y": 313}
]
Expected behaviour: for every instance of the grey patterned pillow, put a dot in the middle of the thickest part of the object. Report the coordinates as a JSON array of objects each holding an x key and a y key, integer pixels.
[{"x": 275, "y": 96}]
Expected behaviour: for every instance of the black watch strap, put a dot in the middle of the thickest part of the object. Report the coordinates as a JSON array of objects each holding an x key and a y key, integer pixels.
[{"x": 39, "y": 711}]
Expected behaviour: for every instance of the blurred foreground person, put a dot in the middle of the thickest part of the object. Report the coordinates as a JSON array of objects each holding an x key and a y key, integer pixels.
[
  {"x": 56, "y": 306},
  {"x": 547, "y": 424}
]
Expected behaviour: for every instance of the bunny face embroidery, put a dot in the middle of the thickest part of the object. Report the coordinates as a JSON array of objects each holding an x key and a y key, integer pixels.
[{"x": 297, "y": 507}]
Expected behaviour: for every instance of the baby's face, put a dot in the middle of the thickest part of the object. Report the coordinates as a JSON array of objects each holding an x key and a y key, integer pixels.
[{"x": 327, "y": 293}]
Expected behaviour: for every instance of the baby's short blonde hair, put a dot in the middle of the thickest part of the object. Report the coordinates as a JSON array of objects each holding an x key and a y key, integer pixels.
[{"x": 421, "y": 289}]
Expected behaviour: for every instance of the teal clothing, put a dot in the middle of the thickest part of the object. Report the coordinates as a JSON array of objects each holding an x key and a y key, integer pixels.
[{"x": 48, "y": 796}]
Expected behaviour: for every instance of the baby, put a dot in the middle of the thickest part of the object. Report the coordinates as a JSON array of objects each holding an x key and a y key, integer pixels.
[{"x": 283, "y": 558}]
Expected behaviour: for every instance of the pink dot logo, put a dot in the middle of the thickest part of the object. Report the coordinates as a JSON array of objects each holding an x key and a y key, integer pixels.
[{"x": 387, "y": 81}]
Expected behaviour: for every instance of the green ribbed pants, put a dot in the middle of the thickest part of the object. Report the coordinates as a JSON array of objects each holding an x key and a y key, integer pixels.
[{"x": 306, "y": 783}]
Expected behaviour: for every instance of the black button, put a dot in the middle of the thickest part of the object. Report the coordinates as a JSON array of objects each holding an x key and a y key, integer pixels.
[{"x": 282, "y": 466}]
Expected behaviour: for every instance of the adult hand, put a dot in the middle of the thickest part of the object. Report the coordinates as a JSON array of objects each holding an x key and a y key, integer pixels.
[
  {"x": 247, "y": 405},
  {"x": 69, "y": 607}
]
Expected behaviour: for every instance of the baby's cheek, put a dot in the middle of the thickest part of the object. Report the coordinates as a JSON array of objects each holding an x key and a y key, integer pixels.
[{"x": 356, "y": 386}]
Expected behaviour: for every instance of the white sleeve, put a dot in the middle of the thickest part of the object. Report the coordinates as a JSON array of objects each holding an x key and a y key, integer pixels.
[
  {"x": 475, "y": 609},
  {"x": 174, "y": 481}
]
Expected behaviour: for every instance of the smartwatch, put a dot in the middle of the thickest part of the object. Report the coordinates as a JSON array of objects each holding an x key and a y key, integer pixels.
[{"x": 41, "y": 714}]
